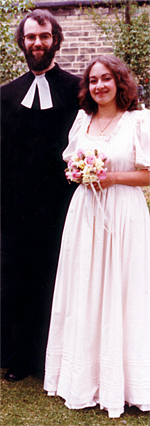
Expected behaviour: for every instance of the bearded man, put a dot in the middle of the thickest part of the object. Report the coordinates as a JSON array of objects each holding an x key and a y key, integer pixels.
[{"x": 38, "y": 110}]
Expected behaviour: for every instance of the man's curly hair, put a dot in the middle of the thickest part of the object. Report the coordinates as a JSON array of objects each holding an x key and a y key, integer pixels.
[{"x": 42, "y": 17}]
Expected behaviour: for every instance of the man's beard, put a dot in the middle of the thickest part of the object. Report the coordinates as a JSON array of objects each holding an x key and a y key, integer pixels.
[{"x": 41, "y": 63}]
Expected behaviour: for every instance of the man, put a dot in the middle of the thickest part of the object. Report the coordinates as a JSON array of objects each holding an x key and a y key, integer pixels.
[{"x": 38, "y": 110}]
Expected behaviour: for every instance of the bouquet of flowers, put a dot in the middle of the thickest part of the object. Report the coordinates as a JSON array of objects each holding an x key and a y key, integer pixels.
[{"x": 86, "y": 167}]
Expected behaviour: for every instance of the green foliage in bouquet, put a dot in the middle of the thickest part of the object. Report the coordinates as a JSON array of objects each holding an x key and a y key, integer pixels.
[
  {"x": 12, "y": 59},
  {"x": 127, "y": 29}
]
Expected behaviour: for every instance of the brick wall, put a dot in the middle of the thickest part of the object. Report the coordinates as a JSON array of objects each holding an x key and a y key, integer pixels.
[{"x": 81, "y": 41}]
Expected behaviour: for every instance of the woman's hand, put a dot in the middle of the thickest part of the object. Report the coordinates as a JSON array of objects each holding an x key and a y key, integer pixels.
[
  {"x": 135, "y": 178},
  {"x": 105, "y": 183},
  {"x": 108, "y": 181}
]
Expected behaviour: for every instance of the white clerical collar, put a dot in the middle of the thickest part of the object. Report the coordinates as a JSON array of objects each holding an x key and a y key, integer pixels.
[{"x": 45, "y": 97}]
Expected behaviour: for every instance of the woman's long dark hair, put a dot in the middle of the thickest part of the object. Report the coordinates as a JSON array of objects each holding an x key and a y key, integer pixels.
[{"x": 126, "y": 97}]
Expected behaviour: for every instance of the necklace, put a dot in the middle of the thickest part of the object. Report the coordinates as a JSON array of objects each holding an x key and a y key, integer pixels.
[{"x": 102, "y": 130}]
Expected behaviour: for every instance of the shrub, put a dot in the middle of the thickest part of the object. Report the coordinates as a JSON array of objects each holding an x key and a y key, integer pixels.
[
  {"x": 128, "y": 29},
  {"x": 12, "y": 62}
]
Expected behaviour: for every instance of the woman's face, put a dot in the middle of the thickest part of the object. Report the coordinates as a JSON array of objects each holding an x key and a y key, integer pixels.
[{"x": 102, "y": 85}]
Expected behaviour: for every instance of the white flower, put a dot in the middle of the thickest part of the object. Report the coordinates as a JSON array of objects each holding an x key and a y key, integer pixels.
[{"x": 99, "y": 163}]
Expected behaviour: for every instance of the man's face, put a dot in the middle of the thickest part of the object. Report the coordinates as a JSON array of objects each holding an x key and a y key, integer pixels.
[{"x": 39, "y": 45}]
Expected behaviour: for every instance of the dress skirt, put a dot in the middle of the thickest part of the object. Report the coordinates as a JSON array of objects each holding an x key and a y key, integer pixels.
[{"x": 98, "y": 349}]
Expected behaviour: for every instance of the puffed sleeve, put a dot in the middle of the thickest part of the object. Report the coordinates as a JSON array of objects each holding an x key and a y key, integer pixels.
[
  {"x": 74, "y": 135},
  {"x": 142, "y": 140}
]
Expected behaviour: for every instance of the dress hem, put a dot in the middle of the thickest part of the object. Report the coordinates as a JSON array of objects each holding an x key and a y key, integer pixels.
[{"x": 112, "y": 412}]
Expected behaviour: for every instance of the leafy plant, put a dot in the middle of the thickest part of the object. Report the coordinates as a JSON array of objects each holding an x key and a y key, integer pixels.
[
  {"x": 12, "y": 59},
  {"x": 127, "y": 27}
]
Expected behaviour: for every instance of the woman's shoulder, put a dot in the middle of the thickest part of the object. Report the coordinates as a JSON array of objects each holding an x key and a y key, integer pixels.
[
  {"x": 82, "y": 120},
  {"x": 140, "y": 115},
  {"x": 141, "y": 128},
  {"x": 82, "y": 115},
  {"x": 137, "y": 119},
  {"x": 142, "y": 120}
]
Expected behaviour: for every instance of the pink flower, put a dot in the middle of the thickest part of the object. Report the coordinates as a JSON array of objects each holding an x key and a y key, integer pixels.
[
  {"x": 67, "y": 174},
  {"x": 76, "y": 174},
  {"x": 90, "y": 160},
  {"x": 101, "y": 174},
  {"x": 70, "y": 162},
  {"x": 102, "y": 156},
  {"x": 80, "y": 154}
]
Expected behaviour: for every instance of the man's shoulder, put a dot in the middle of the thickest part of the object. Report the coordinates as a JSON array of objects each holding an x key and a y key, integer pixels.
[
  {"x": 15, "y": 84},
  {"x": 67, "y": 76}
]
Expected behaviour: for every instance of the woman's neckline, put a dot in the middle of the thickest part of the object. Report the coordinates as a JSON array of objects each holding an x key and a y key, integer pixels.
[{"x": 114, "y": 131}]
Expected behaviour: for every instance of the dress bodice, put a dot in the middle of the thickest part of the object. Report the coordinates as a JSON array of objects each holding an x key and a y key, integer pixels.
[{"x": 126, "y": 148}]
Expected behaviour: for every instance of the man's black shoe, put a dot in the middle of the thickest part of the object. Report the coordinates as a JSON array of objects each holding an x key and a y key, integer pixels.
[{"x": 15, "y": 375}]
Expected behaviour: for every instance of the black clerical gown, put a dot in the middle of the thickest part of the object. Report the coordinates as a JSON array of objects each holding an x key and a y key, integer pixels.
[{"x": 35, "y": 197}]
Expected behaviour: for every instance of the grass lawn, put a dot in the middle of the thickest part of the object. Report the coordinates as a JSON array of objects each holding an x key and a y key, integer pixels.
[
  {"x": 146, "y": 191},
  {"x": 25, "y": 403}
]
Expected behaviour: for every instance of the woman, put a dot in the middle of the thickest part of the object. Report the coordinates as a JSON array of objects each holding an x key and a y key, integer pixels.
[{"x": 98, "y": 349}]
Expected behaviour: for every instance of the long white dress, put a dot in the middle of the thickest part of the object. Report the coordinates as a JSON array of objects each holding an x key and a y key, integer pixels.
[{"x": 98, "y": 348}]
